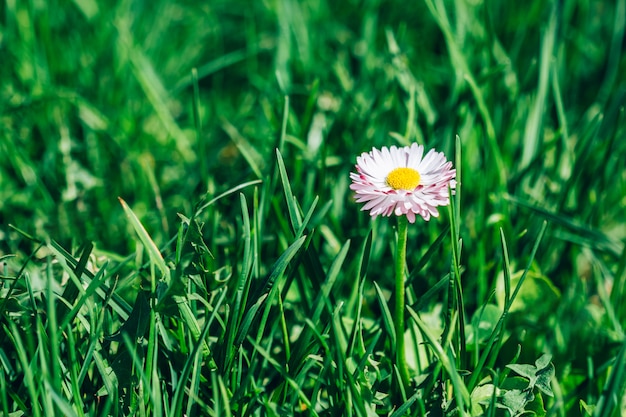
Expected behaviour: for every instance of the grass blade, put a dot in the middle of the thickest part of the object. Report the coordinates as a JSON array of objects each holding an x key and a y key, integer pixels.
[{"x": 260, "y": 296}]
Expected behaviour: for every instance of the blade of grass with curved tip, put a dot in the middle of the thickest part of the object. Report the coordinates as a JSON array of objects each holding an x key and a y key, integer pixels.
[
  {"x": 428, "y": 295},
  {"x": 153, "y": 252},
  {"x": 73, "y": 288},
  {"x": 118, "y": 304},
  {"x": 226, "y": 193},
  {"x": 95, "y": 283},
  {"x": 400, "y": 411},
  {"x": 157, "y": 259},
  {"x": 292, "y": 206},
  {"x": 507, "y": 268}
]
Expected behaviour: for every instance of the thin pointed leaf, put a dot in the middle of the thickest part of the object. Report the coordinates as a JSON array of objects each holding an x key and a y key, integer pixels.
[
  {"x": 146, "y": 240},
  {"x": 277, "y": 270}
]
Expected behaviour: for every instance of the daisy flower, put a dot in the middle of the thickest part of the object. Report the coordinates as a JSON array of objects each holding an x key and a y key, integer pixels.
[{"x": 403, "y": 181}]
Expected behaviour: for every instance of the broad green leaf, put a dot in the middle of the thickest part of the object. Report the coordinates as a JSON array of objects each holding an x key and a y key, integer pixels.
[
  {"x": 483, "y": 323},
  {"x": 538, "y": 375},
  {"x": 515, "y": 400},
  {"x": 537, "y": 296},
  {"x": 527, "y": 371},
  {"x": 483, "y": 395}
]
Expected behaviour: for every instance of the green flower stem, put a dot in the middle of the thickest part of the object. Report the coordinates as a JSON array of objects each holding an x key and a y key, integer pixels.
[{"x": 399, "y": 313}]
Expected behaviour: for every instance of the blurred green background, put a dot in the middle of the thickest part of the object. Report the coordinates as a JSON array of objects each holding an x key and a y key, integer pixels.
[{"x": 97, "y": 102}]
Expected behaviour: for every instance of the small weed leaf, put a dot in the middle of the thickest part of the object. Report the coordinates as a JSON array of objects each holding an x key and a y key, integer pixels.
[
  {"x": 538, "y": 375},
  {"x": 482, "y": 325},
  {"x": 515, "y": 400},
  {"x": 543, "y": 362},
  {"x": 483, "y": 395},
  {"x": 527, "y": 371},
  {"x": 544, "y": 376},
  {"x": 518, "y": 393}
]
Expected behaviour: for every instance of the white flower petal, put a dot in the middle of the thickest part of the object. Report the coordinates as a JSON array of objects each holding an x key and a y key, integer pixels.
[{"x": 370, "y": 182}]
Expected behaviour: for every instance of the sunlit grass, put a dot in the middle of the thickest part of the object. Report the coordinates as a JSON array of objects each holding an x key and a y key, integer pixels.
[{"x": 178, "y": 237}]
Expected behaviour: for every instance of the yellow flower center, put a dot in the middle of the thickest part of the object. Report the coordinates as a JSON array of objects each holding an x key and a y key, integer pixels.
[{"x": 403, "y": 179}]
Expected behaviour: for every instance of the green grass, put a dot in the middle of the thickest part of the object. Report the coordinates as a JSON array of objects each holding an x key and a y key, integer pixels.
[{"x": 177, "y": 235}]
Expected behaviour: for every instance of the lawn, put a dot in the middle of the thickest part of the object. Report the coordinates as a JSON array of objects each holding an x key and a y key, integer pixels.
[{"x": 179, "y": 235}]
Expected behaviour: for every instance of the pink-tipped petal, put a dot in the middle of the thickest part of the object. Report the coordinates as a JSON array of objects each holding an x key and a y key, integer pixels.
[{"x": 370, "y": 182}]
